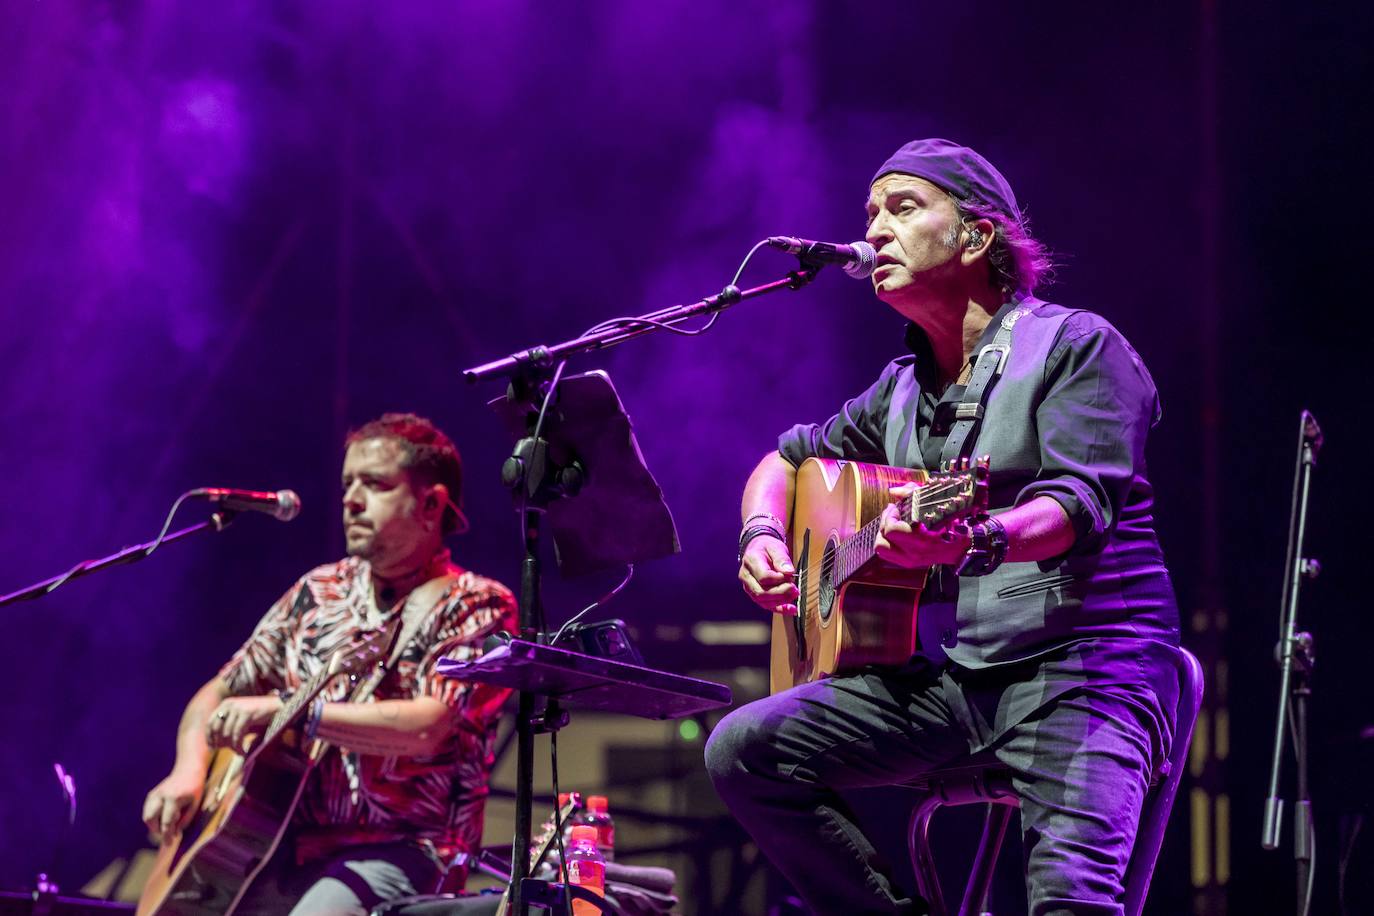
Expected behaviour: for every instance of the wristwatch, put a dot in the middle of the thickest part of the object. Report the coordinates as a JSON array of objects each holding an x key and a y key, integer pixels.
[{"x": 987, "y": 548}]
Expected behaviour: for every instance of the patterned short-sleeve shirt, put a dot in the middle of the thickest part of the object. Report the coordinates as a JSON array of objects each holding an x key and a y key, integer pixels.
[{"x": 436, "y": 799}]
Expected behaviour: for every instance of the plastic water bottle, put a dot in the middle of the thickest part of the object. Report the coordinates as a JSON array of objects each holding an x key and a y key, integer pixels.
[
  {"x": 599, "y": 816},
  {"x": 586, "y": 868}
]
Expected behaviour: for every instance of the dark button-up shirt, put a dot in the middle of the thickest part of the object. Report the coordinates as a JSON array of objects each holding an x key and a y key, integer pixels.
[
  {"x": 1100, "y": 404},
  {"x": 1068, "y": 420}
]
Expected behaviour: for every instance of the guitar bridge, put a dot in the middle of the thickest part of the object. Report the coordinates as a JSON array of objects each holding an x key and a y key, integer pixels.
[{"x": 803, "y": 573}]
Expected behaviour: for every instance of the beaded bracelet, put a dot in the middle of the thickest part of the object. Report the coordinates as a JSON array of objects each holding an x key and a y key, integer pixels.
[{"x": 782, "y": 526}]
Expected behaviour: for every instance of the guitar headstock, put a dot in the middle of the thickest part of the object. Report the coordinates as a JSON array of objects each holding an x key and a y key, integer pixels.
[
  {"x": 541, "y": 845},
  {"x": 957, "y": 490}
]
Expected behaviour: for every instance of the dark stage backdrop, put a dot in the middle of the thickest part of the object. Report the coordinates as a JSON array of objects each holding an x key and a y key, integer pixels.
[{"x": 230, "y": 232}]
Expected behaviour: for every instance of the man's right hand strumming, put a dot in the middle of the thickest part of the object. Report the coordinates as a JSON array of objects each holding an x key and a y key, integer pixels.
[
  {"x": 765, "y": 564},
  {"x": 767, "y": 574},
  {"x": 171, "y": 803}
]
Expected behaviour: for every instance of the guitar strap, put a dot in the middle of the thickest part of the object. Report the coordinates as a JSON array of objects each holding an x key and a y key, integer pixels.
[
  {"x": 417, "y": 606},
  {"x": 968, "y": 413}
]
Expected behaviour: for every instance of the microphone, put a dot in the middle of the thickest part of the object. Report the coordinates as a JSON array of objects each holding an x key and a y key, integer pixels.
[
  {"x": 857, "y": 259},
  {"x": 282, "y": 505}
]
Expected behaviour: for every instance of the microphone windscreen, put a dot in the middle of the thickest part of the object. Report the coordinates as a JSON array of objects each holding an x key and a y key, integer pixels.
[
  {"x": 288, "y": 505},
  {"x": 862, "y": 268}
]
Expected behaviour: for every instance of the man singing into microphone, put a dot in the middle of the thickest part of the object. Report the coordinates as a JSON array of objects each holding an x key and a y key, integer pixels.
[
  {"x": 405, "y": 786},
  {"x": 1046, "y": 633}
]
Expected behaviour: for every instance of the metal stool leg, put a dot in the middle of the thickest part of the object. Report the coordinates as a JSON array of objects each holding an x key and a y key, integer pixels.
[
  {"x": 985, "y": 860},
  {"x": 927, "y": 880}
]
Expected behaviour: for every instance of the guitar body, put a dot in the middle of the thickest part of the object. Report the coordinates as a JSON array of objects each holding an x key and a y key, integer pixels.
[
  {"x": 243, "y": 813},
  {"x": 249, "y": 799},
  {"x": 870, "y": 618}
]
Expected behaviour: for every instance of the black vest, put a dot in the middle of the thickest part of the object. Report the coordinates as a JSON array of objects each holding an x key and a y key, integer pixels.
[{"x": 1117, "y": 587}]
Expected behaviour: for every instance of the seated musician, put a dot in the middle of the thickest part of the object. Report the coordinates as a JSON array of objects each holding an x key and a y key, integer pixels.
[
  {"x": 1045, "y": 634},
  {"x": 404, "y": 785}
]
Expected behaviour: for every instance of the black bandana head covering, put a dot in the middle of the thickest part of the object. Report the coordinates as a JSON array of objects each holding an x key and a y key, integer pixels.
[{"x": 956, "y": 169}]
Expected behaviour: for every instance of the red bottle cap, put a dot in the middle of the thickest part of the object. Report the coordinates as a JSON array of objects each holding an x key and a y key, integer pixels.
[
  {"x": 565, "y": 797},
  {"x": 597, "y": 804},
  {"x": 584, "y": 832}
]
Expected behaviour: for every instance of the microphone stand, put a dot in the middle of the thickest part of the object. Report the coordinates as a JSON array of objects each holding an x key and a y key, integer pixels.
[
  {"x": 218, "y": 521},
  {"x": 1295, "y": 654},
  {"x": 538, "y": 481},
  {"x": 542, "y": 357}
]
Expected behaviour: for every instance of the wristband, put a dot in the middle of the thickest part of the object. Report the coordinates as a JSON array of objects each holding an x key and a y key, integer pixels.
[
  {"x": 748, "y": 534},
  {"x": 312, "y": 721},
  {"x": 987, "y": 548}
]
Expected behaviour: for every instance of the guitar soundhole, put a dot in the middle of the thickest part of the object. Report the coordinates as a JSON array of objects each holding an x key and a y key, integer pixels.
[{"x": 825, "y": 594}]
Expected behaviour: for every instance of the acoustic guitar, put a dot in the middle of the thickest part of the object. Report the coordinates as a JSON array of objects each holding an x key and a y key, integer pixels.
[
  {"x": 247, "y": 803},
  {"x": 854, "y": 610}
]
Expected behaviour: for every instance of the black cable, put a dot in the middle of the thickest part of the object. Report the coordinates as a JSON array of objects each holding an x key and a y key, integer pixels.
[
  {"x": 539, "y": 622},
  {"x": 629, "y": 574},
  {"x": 157, "y": 542},
  {"x": 674, "y": 329},
  {"x": 558, "y": 821},
  {"x": 1311, "y": 831}
]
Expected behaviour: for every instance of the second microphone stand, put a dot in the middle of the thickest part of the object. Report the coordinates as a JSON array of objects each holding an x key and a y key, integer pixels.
[{"x": 1296, "y": 656}]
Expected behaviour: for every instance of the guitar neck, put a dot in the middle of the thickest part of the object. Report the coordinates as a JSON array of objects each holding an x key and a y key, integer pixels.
[
  {"x": 346, "y": 661},
  {"x": 927, "y": 504},
  {"x": 293, "y": 707}
]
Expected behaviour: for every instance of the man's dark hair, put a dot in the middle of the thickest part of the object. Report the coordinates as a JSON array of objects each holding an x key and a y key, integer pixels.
[
  {"x": 428, "y": 454},
  {"x": 1017, "y": 260}
]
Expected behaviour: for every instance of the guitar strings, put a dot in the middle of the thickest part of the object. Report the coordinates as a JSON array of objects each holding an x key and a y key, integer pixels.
[{"x": 866, "y": 535}]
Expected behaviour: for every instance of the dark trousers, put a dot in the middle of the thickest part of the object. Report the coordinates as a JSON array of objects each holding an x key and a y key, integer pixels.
[{"x": 1082, "y": 731}]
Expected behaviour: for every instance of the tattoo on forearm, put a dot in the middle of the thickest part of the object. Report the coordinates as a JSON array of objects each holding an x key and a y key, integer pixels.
[{"x": 366, "y": 741}]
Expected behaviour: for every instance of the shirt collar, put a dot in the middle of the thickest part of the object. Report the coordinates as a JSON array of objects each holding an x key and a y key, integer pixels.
[{"x": 441, "y": 564}]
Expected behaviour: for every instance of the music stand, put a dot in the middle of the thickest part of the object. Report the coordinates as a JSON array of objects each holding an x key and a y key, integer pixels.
[
  {"x": 619, "y": 516},
  {"x": 579, "y": 681},
  {"x": 542, "y": 471},
  {"x": 581, "y": 445}
]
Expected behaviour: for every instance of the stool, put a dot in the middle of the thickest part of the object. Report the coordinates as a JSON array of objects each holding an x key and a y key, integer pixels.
[{"x": 981, "y": 779}]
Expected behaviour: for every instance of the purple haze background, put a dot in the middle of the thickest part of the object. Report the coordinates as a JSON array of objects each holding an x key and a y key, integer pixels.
[{"x": 229, "y": 233}]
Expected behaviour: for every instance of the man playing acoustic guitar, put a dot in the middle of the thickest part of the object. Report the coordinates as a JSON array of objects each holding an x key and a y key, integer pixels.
[
  {"x": 404, "y": 787},
  {"x": 1045, "y": 630}
]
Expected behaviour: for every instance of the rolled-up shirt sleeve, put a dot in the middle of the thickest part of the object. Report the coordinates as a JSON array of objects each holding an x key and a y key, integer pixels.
[
  {"x": 1099, "y": 406},
  {"x": 855, "y": 433}
]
